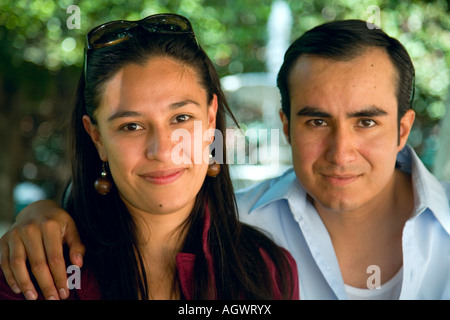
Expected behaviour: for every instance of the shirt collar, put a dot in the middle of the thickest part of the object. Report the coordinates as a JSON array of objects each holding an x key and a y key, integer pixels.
[
  {"x": 281, "y": 188},
  {"x": 428, "y": 191}
]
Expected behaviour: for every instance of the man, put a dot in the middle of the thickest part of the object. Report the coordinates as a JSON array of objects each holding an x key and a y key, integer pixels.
[
  {"x": 360, "y": 213},
  {"x": 359, "y": 210}
]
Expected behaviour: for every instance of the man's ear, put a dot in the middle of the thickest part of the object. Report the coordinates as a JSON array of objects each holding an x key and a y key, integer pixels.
[
  {"x": 96, "y": 137},
  {"x": 285, "y": 122},
  {"x": 405, "y": 127}
]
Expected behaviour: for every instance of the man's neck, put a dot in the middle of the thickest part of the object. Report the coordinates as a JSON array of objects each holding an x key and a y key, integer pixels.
[{"x": 371, "y": 234}]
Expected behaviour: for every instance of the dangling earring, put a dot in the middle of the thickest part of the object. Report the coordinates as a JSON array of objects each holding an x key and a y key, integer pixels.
[
  {"x": 213, "y": 168},
  {"x": 102, "y": 184}
]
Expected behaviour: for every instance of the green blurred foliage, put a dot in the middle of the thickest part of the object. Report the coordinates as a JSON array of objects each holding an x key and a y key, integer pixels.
[{"x": 41, "y": 58}]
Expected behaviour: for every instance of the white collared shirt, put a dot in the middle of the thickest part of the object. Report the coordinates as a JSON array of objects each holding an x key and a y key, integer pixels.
[{"x": 280, "y": 206}]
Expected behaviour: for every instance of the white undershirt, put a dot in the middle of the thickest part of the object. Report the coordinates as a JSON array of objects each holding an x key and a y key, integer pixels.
[{"x": 387, "y": 291}]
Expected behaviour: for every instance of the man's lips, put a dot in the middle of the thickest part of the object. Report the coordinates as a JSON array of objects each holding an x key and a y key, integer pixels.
[
  {"x": 340, "y": 179},
  {"x": 163, "y": 176}
]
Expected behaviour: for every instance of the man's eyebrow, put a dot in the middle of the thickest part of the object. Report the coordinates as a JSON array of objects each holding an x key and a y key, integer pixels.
[
  {"x": 365, "y": 112},
  {"x": 368, "y": 112},
  {"x": 313, "y": 112}
]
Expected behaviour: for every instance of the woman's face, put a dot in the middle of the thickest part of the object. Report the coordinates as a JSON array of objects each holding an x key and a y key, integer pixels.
[{"x": 144, "y": 111}]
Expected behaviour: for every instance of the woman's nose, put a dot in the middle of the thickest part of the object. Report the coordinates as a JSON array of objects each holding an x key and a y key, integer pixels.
[{"x": 159, "y": 146}]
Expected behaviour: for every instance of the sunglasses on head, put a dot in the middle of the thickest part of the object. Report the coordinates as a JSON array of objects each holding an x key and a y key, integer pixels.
[{"x": 114, "y": 32}]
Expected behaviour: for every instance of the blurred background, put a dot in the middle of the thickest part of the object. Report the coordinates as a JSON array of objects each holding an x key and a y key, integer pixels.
[{"x": 41, "y": 52}]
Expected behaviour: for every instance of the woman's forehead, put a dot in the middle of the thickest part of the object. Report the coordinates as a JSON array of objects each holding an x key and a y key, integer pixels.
[{"x": 161, "y": 82}]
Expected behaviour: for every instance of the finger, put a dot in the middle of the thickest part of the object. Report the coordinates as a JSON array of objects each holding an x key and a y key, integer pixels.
[
  {"x": 77, "y": 251},
  {"x": 73, "y": 241},
  {"x": 17, "y": 262},
  {"x": 53, "y": 243},
  {"x": 33, "y": 241},
  {"x": 6, "y": 268}
]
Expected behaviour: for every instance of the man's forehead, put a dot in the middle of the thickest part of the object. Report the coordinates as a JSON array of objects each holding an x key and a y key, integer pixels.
[
  {"x": 370, "y": 57},
  {"x": 353, "y": 85},
  {"x": 315, "y": 72}
]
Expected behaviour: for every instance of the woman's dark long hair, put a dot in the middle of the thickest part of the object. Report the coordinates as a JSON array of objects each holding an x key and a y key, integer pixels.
[{"x": 107, "y": 228}]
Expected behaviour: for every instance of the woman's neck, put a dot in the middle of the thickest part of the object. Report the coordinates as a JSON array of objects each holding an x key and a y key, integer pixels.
[{"x": 160, "y": 237}]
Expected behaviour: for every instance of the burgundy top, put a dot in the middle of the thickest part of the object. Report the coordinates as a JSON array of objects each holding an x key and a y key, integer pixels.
[{"x": 89, "y": 289}]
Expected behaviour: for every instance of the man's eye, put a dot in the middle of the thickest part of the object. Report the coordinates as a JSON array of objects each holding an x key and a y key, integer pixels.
[
  {"x": 367, "y": 123},
  {"x": 131, "y": 127},
  {"x": 317, "y": 123}
]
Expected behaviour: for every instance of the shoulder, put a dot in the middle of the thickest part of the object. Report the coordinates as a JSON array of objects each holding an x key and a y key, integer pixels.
[
  {"x": 82, "y": 284},
  {"x": 289, "y": 259},
  {"x": 268, "y": 204},
  {"x": 446, "y": 187},
  {"x": 5, "y": 291},
  {"x": 427, "y": 187},
  {"x": 251, "y": 194},
  {"x": 289, "y": 275},
  {"x": 281, "y": 265},
  {"x": 266, "y": 191}
]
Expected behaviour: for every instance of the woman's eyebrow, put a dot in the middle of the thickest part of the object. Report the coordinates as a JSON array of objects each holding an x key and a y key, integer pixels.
[
  {"x": 123, "y": 114},
  {"x": 128, "y": 113},
  {"x": 182, "y": 103}
]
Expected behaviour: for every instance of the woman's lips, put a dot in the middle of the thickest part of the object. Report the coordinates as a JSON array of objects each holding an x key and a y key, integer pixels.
[{"x": 163, "y": 176}]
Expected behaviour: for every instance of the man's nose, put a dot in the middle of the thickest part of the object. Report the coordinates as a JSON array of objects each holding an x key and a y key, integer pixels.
[{"x": 341, "y": 146}]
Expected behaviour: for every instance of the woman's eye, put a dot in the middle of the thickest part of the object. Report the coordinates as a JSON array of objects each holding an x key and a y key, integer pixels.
[
  {"x": 181, "y": 118},
  {"x": 132, "y": 127},
  {"x": 367, "y": 123},
  {"x": 317, "y": 123}
]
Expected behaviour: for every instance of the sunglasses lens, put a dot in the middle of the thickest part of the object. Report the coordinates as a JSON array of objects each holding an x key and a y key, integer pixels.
[
  {"x": 117, "y": 31},
  {"x": 166, "y": 23},
  {"x": 108, "y": 33}
]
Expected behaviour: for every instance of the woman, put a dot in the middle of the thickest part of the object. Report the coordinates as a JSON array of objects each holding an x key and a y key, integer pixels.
[{"x": 156, "y": 228}]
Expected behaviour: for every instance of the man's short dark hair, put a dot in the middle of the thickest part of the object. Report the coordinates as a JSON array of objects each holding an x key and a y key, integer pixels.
[{"x": 344, "y": 40}]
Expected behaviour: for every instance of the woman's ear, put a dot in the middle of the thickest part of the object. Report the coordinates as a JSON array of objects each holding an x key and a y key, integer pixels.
[
  {"x": 96, "y": 137},
  {"x": 212, "y": 112}
]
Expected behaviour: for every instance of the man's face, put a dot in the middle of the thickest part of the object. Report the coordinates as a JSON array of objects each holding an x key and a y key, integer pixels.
[{"x": 343, "y": 129}]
